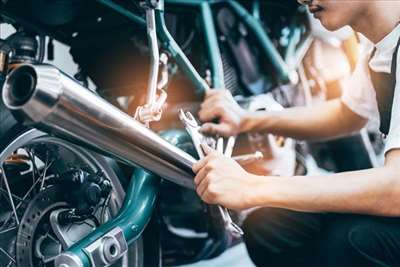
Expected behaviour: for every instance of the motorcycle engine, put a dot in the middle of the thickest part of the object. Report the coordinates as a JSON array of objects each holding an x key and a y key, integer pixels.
[{"x": 56, "y": 12}]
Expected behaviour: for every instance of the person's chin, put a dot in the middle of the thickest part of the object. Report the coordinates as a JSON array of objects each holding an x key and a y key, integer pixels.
[{"x": 329, "y": 25}]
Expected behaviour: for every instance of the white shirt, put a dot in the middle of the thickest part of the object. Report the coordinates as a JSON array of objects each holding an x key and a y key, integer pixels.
[{"x": 359, "y": 94}]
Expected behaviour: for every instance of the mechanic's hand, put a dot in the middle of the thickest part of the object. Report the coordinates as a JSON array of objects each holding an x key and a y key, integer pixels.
[
  {"x": 221, "y": 180},
  {"x": 220, "y": 105}
]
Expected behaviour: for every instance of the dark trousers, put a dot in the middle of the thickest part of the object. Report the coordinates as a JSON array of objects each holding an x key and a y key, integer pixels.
[{"x": 277, "y": 237}]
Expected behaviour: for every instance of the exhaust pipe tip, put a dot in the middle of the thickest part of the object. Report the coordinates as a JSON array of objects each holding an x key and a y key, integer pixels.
[
  {"x": 19, "y": 86},
  {"x": 32, "y": 91}
]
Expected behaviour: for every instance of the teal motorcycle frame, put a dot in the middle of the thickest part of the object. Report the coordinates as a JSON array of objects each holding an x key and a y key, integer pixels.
[{"x": 142, "y": 192}]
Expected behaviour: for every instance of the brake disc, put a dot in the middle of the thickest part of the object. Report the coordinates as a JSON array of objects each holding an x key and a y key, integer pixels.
[{"x": 36, "y": 242}]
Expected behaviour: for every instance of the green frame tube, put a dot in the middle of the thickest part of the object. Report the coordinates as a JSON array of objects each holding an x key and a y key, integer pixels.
[
  {"x": 256, "y": 9},
  {"x": 123, "y": 11},
  {"x": 268, "y": 48},
  {"x": 210, "y": 37},
  {"x": 214, "y": 53},
  {"x": 138, "y": 206},
  {"x": 294, "y": 39},
  {"x": 133, "y": 217},
  {"x": 169, "y": 44}
]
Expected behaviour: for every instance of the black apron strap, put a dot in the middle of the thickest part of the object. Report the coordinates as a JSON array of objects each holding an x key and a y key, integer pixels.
[{"x": 385, "y": 85}]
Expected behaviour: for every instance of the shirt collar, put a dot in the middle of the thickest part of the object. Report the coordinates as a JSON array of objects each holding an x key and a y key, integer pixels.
[{"x": 390, "y": 40}]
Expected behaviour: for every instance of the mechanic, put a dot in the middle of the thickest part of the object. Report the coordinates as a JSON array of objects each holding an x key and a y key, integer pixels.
[{"x": 347, "y": 219}]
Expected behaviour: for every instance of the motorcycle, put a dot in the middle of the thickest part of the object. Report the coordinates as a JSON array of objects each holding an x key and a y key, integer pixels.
[{"x": 96, "y": 168}]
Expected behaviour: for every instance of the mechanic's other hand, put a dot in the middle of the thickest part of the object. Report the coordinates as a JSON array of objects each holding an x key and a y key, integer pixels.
[
  {"x": 221, "y": 180},
  {"x": 220, "y": 105}
]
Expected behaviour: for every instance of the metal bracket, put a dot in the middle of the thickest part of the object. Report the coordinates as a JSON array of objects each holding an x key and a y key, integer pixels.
[
  {"x": 152, "y": 110},
  {"x": 108, "y": 249},
  {"x": 67, "y": 259},
  {"x": 153, "y": 4}
]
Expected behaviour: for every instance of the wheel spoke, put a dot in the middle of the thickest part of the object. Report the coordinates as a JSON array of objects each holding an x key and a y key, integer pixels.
[
  {"x": 8, "y": 255},
  {"x": 43, "y": 176},
  {"x": 34, "y": 166},
  {"x": 3, "y": 174},
  {"x": 7, "y": 230},
  {"x": 13, "y": 195}
]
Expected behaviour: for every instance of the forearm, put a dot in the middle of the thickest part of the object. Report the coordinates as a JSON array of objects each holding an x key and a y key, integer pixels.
[
  {"x": 373, "y": 191},
  {"x": 324, "y": 121}
]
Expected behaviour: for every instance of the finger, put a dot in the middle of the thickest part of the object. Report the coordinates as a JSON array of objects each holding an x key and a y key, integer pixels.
[
  {"x": 221, "y": 129},
  {"x": 218, "y": 101},
  {"x": 202, "y": 186},
  {"x": 200, "y": 176},
  {"x": 208, "y": 151},
  {"x": 210, "y": 114},
  {"x": 208, "y": 198},
  {"x": 211, "y": 93},
  {"x": 200, "y": 164},
  {"x": 213, "y": 103}
]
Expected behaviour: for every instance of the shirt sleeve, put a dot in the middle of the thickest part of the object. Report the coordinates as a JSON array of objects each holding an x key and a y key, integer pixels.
[
  {"x": 358, "y": 92},
  {"x": 393, "y": 139}
]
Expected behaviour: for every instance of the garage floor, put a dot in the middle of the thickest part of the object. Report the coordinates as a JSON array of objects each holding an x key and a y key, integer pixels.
[{"x": 234, "y": 257}]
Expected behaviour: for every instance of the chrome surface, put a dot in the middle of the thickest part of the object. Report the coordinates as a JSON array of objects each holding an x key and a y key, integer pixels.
[
  {"x": 108, "y": 249},
  {"x": 154, "y": 55},
  {"x": 69, "y": 234},
  {"x": 54, "y": 102},
  {"x": 156, "y": 96},
  {"x": 68, "y": 260}
]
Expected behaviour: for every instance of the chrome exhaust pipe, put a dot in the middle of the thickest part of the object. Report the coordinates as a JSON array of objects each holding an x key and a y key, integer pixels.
[{"x": 54, "y": 102}]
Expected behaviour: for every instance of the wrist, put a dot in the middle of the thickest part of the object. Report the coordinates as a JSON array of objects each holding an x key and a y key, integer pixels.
[
  {"x": 264, "y": 191},
  {"x": 246, "y": 122}
]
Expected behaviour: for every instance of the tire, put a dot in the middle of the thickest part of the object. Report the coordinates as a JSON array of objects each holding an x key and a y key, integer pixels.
[
  {"x": 11, "y": 130},
  {"x": 9, "y": 126}
]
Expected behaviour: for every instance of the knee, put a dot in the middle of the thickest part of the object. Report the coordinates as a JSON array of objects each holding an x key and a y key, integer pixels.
[
  {"x": 277, "y": 230},
  {"x": 260, "y": 228},
  {"x": 365, "y": 239},
  {"x": 350, "y": 244},
  {"x": 260, "y": 236},
  {"x": 256, "y": 228}
]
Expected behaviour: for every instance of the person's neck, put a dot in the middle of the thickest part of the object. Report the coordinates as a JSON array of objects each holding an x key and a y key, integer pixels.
[{"x": 377, "y": 24}]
